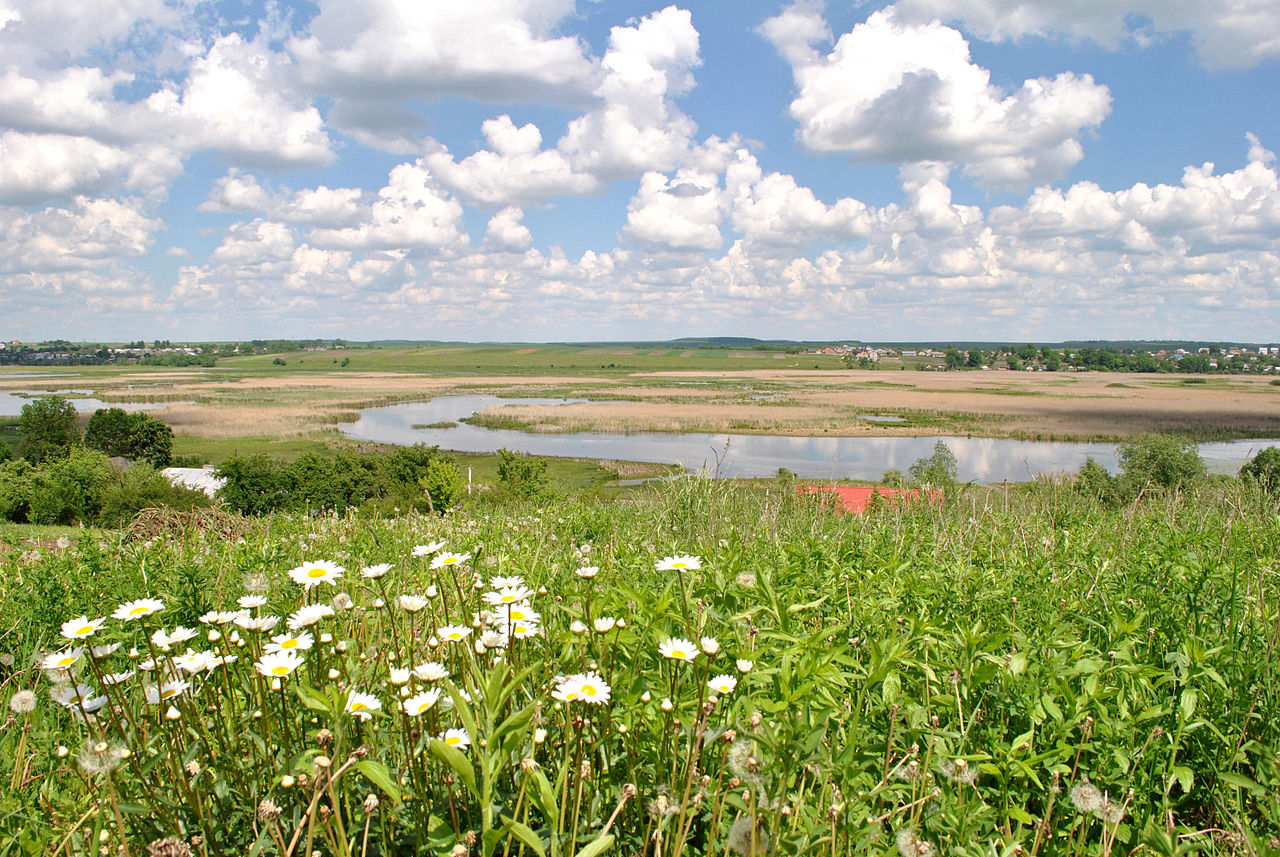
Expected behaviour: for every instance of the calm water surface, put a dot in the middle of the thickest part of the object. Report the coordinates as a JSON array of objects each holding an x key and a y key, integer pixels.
[
  {"x": 11, "y": 402},
  {"x": 979, "y": 459}
]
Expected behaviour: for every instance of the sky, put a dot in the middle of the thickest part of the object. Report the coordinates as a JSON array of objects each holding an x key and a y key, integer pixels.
[{"x": 574, "y": 170}]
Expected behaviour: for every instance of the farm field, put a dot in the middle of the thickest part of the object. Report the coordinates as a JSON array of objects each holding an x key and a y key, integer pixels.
[
  {"x": 253, "y": 403},
  {"x": 702, "y": 668}
]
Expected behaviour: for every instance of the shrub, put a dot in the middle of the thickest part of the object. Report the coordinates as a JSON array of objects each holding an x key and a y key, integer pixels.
[
  {"x": 525, "y": 476},
  {"x": 1093, "y": 480},
  {"x": 936, "y": 471},
  {"x": 893, "y": 478},
  {"x": 48, "y": 428},
  {"x": 71, "y": 490},
  {"x": 16, "y": 490},
  {"x": 253, "y": 484},
  {"x": 1264, "y": 468},
  {"x": 443, "y": 485},
  {"x": 1159, "y": 460},
  {"x": 142, "y": 487}
]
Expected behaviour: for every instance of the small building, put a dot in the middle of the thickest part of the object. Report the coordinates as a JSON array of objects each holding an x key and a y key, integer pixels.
[{"x": 856, "y": 500}]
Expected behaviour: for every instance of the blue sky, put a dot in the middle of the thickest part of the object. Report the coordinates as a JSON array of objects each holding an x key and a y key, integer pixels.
[{"x": 552, "y": 169}]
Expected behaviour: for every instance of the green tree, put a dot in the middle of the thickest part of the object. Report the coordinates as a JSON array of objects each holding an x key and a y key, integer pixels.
[
  {"x": 1264, "y": 468},
  {"x": 48, "y": 428},
  {"x": 443, "y": 484},
  {"x": 954, "y": 359},
  {"x": 109, "y": 431},
  {"x": 975, "y": 357},
  {"x": 1052, "y": 358},
  {"x": 523, "y": 475},
  {"x": 135, "y": 436},
  {"x": 151, "y": 441},
  {"x": 253, "y": 484},
  {"x": 1159, "y": 460},
  {"x": 70, "y": 490},
  {"x": 937, "y": 470}
]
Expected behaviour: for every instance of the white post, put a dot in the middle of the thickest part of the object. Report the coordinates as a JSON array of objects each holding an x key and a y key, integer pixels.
[{"x": 468, "y": 480}]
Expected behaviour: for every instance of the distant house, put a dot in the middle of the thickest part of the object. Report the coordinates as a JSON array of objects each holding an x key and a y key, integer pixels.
[{"x": 856, "y": 500}]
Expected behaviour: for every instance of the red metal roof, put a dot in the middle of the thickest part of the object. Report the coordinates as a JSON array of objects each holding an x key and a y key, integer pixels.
[{"x": 855, "y": 500}]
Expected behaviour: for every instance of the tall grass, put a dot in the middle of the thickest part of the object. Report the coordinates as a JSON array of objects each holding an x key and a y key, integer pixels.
[{"x": 1022, "y": 673}]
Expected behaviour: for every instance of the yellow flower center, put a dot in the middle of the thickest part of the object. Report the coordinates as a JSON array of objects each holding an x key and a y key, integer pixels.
[
  {"x": 85, "y": 631},
  {"x": 316, "y": 572},
  {"x": 677, "y": 565},
  {"x": 167, "y": 693},
  {"x": 450, "y": 561},
  {"x": 453, "y": 740},
  {"x": 138, "y": 611},
  {"x": 679, "y": 653},
  {"x": 588, "y": 690},
  {"x": 507, "y": 599},
  {"x": 289, "y": 644},
  {"x": 359, "y": 706},
  {"x": 66, "y": 662},
  {"x": 280, "y": 670}
]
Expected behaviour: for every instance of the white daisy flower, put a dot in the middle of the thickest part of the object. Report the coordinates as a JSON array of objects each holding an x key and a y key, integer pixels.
[
  {"x": 447, "y": 559},
  {"x": 723, "y": 684},
  {"x": 165, "y": 691},
  {"x": 300, "y": 640},
  {"x": 680, "y": 563},
  {"x": 604, "y": 624},
  {"x": 279, "y": 664},
  {"x": 399, "y": 677},
  {"x": 374, "y": 571},
  {"x": 362, "y": 705},
  {"x": 81, "y": 627},
  {"x": 309, "y": 615},
  {"x": 744, "y": 665},
  {"x": 452, "y": 633},
  {"x": 411, "y": 603},
  {"x": 427, "y": 549},
  {"x": 678, "y": 649},
  {"x": 62, "y": 660},
  {"x": 456, "y": 738},
  {"x": 249, "y": 602},
  {"x": 710, "y": 645},
  {"x": 314, "y": 573},
  {"x": 506, "y": 582},
  {"x": 588, "y": 571},
  {"x": 418, "y": 703},
  {"x": 430, "y": 671},
  {"x": 131, "y": 610}
]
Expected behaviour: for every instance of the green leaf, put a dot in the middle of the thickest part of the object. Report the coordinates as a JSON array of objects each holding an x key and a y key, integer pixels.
[
  {"x": 1021, "y": 815},
  {"x": 1018, "y": 663},
  {"x": 891, "y": 688},
  {"x": 457, "y": 760},
  {"x": 600, "y": 846},
  {"x": 1242, "y": 782},
  {"x": 312, "y": 698},
  {"x": 1187, "y": 705},
  {"x": 1185, "y": 777},
  {"x": 525, "y": 835},
  {"x": 544, "y": 796},
  {"x": 1051, "y": 707},
  {"x": 1023, "y": 740},
  {"x": 378, "y": 774}
]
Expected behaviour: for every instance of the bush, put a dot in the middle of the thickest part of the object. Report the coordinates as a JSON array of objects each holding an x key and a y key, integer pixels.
[
  {"x": 893, "y": 478},
  {"x": 1264, "y": 468},
  {"x": 1159, "y": 460},
  {"x": 524, "y": 476},
  {"x": 1093, "y": 480},
  {"x": 16, "y": 490},
  {"x": 143, "y": 487},
  {"x": 71, "y": 490},
  {"x": 253, "y": 484},
  {"x": 48, "y": 428},
  {"x": 443, "y": 485},
  {"x": 936, "y": 471}
]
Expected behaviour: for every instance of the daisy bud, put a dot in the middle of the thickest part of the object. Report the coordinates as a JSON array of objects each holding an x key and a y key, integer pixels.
[
  {"x": 577, "y": 627},
  {"x": 172, "y": 714},
  {"x": 539, "y": 735},
  {"x": 326, "y": 637},
  {"x": 62, "y": 752},
  {"x": 666, "y": 704},
  {"x": 334, "y": 675},
  {"x": 286, "y": 782},
  {"x": 646, "y": 696},
  {"x": 214, "y": 635}
]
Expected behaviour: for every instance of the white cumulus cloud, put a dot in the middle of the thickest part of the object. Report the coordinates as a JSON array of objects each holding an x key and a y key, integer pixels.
[
  {"x": 1226, "y": 33},
  {"x": 896, "y": 91}
]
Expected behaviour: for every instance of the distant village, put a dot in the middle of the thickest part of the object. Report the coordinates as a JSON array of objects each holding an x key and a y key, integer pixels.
[{"x": 1232, "y": 359}]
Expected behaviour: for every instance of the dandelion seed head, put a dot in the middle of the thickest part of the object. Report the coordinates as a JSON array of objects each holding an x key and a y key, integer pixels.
[
  {"x": 1086, "y": 797},
  {"x": 746, "y": 838},
  {"x": 22, "y": 702}
]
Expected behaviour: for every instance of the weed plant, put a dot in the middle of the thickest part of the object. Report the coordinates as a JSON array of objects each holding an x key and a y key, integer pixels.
[{"x": 708, "y": 670}]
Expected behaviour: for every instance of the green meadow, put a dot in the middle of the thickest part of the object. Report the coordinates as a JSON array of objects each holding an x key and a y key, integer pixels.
[{"x": 693, "y": 667}]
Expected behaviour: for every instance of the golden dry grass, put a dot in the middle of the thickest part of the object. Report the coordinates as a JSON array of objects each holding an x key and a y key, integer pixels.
[{"x": 766, "y": 401}]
